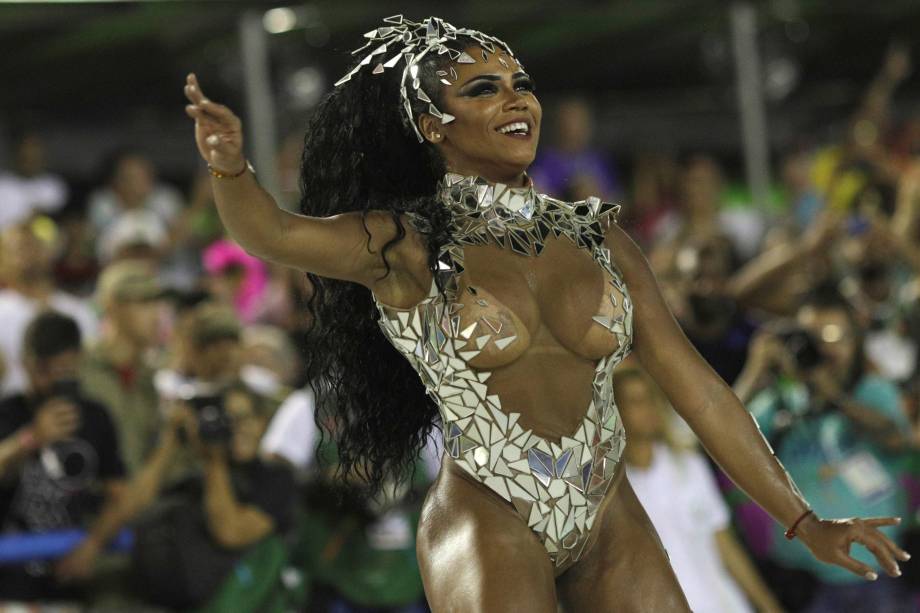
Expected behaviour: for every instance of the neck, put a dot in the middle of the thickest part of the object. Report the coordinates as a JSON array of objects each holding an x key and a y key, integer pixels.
[
  {"x": 121, "y": 351},
  {"x": 639, "y": 452},
  {"x": 514, "y": 179}
]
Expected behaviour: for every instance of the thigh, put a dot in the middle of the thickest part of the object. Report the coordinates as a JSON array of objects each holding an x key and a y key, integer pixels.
[
  {"x": 627, "y": 569},
  {"x": 476, "y": 554}
]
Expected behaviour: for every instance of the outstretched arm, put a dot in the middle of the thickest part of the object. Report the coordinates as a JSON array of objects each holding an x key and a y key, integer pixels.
[
  {"x": 727, "y": 431},
  {"x": 339, "y": 247}
]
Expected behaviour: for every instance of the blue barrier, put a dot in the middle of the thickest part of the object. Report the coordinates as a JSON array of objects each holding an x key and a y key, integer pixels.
[{"x": 25, "y": 547}]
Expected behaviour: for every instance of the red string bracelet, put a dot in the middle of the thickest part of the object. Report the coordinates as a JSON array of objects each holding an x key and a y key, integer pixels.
[{"x": 790, "y": 533}]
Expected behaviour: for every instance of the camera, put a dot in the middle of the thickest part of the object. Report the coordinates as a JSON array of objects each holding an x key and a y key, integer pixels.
[
  {"x": 63, "y": 389},
  {"x": 803, "y": 347},
  {"x": 214, "y": 424}
]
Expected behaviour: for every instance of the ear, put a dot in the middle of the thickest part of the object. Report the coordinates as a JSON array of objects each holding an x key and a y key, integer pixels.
[{"x": 431, "y": 129}]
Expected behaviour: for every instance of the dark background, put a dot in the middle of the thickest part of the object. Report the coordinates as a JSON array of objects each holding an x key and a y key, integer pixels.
[{"x": 93, "y": 76}]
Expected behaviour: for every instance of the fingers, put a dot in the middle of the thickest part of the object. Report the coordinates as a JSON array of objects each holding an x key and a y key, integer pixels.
[
  {"x": 892, "y": 547},
  {"x": 881, "y": 552},
  {"x": 855, "y": 566},
  {"x": 193, "y": 89},
  {"x": 881, "y": 521},
  {"x": 200, "y": 102}
]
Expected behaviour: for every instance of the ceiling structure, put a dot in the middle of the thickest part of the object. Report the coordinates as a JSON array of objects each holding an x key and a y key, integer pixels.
[{"x": 90, "y": 63}]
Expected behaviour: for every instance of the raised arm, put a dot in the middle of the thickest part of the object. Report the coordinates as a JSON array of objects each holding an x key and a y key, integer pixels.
[
  {"x": 725, "y": 428},
  {"x": 339, "y": 247}
]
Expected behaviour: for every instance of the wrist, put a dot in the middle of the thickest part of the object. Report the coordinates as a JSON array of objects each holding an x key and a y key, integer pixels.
[
  {"x": 220, "y": 174},
  {"x": 803, "y": 526},
  {"x": 27, "y": 439}
]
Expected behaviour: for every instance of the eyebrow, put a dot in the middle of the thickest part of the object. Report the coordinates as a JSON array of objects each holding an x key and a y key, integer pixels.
[{"x": 495, "y": 77}]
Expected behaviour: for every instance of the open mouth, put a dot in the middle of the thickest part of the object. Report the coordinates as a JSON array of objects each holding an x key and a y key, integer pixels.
[{"x": 515, "y": 129}]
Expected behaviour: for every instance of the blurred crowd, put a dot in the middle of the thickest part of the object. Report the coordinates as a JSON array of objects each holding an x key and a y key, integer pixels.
[{"x": 158, "y": 448}]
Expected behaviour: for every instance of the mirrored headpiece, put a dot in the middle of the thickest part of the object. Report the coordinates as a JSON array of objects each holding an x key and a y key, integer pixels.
[{"x": 402, "y": 39}]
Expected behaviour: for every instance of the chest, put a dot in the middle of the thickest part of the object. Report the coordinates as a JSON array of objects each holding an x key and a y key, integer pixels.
[{"x": 560, "y": 299}]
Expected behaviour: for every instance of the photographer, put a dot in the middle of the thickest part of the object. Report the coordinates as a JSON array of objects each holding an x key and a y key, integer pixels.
[
  {"x": 837, "y": 428},
  {"x": 191, "y": 535},
  {"x": 59, "y": 458}
]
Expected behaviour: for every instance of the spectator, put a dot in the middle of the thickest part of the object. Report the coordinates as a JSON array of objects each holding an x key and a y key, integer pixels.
[
  {"x": 134, "y": 235},
  {"x": 25, "y": 261},
  {"x": 59, "y": 452},
  {"x": 778, "y": 279},
  {"x": 654, "y": 198},
  {"x": 132, "y": 189},
  {"x": 709, "y": 314},
  {"x": 573, "y": 169},
  {"x": 28, "y": 188},
  {"x": 236, "y": 278},
  {"x": 271, "y": 363},
  {"x": 709, "y": 562},
  {"x": 800, "y": 192},
  {"x": 119, "y": 368},
  {"x": 75, "y": 264},
  {"x": 838, "y": 429},
  {"x": 206, "y": 350},
  {"x": 206, "y": 357},
  {"x": 703, "y": 214},
  {"x": 191, "y": 537}
]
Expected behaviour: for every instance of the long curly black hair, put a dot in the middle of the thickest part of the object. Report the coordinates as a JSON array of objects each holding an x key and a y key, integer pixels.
[{"x": 361, "y": 154}]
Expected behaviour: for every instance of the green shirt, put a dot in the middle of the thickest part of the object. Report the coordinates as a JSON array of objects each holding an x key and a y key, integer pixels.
[
  {"x": 132, "y": 401},
  {"x": 353, "y": 554},
  {"x": 840, "y": 471}
]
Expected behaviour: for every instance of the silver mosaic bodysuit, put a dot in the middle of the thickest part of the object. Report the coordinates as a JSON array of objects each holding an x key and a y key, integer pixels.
[{"x": 556, "y": 488}]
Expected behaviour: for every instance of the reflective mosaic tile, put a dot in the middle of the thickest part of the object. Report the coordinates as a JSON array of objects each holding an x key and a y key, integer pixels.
[{"x": 556, "y": 488}]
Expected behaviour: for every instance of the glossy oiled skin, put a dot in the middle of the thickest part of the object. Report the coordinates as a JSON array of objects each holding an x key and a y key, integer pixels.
[
  {"x": 548, "y": 302},
  {"x": 475, "y": 552}
]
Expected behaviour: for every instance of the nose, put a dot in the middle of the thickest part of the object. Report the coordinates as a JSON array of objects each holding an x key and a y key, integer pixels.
[{"x": 514, "y": 100}]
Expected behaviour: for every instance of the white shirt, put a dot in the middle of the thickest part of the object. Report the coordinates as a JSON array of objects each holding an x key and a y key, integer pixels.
[
  {"x": 16, "y": 312},
  {"x": 24, "y": 196},
  {"x": 159, "y": 212},
  {"x": 680, "y": 495},
  {"x": 292, "y": 435},
  {"x": 292, "y": 431}
]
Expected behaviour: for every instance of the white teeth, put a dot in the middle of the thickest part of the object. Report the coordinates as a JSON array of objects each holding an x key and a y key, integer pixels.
[{"x": 519, "y": 126}]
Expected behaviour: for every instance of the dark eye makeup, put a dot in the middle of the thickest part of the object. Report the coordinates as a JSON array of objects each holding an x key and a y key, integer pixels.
[{"x": 483, "y": 86}]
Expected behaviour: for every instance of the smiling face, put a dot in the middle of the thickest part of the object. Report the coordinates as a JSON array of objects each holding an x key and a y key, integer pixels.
[{"x": 497, "y": 119}]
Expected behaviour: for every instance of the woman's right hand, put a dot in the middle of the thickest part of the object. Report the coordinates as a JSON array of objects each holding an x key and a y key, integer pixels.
[{"x": 218, "y": 131}]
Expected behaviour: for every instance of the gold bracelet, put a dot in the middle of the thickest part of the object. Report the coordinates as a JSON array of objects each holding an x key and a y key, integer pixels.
[{"x": 220, "y": 175}]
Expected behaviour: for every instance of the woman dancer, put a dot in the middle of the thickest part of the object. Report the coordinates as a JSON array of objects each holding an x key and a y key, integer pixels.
[{"x": 422, "y": 233}]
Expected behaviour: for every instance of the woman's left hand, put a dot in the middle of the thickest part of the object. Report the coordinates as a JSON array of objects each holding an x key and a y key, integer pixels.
[{"x": 829, "y": 541}]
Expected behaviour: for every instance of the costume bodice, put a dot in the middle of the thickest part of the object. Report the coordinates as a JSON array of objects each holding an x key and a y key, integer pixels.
[{"x": 555, "y": 487}]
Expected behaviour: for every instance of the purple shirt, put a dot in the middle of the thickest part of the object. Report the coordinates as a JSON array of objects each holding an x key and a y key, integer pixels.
[{"x": 554, "y": 171}]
